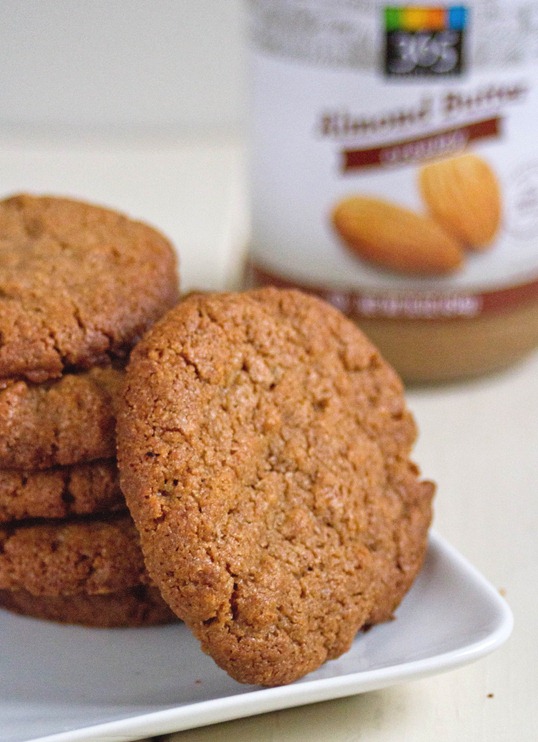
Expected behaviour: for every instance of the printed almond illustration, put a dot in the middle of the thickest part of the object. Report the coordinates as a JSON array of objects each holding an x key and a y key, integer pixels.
[
  {"x": 463, "y": 195},
  {"x": 395, "y": 237}
]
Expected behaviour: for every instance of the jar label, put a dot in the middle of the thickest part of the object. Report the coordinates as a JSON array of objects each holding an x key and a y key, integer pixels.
[{"x": 395, "y": 160}]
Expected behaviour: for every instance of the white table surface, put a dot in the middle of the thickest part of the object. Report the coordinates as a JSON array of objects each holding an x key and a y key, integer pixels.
[{"x": 478, "y": 440}]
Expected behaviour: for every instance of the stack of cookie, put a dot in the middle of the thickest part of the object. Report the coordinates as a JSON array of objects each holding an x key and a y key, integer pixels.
[
  {"x": 262, "y": 442},
  {"x": 79, "y": 285}
]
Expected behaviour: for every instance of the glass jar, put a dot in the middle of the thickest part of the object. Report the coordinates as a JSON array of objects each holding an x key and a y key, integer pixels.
[{"x": 394, "y": 172}]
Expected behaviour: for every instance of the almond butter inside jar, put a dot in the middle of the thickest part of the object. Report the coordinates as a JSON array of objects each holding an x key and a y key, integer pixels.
[{"x": 394, "y": 172}]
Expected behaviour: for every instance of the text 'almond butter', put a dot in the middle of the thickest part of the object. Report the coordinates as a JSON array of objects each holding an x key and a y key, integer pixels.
[{"x": 394, "y": 172}]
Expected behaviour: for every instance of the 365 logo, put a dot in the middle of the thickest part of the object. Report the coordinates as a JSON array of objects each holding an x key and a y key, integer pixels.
[{"x": 424, "y": 40}]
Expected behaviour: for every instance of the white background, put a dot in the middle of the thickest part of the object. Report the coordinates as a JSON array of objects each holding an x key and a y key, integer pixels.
[{"x": 171, "y": 65}]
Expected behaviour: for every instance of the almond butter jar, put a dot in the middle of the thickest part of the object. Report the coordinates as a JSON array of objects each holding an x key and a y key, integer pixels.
[{"x": 394, "y": 172}]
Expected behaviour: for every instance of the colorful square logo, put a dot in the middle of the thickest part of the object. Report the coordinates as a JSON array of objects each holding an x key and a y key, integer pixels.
[{"x": 424, "y": 41}]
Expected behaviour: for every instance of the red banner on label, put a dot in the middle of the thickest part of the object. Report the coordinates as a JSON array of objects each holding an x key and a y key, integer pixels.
[
  {"x": 440, "y": 144},
  {"x": 422, "y": 305}
]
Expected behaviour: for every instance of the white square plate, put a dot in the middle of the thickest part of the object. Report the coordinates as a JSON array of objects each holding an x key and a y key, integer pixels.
[{"x": 67, "y": 683}]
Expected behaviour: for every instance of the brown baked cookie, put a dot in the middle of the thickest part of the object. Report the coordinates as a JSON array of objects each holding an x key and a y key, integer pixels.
[
  {"x": 61, "y": 422},
  {"x": 63, "y": 491},
  {"x": 79, "y": 284},
  {"x": 89, "y": 556},
  {"x": 264, "y": 449},
  {"x": 135, "y": 606}
]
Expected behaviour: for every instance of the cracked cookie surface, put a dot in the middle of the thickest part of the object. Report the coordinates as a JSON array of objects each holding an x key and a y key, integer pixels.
[
  {"x": 141, "y": 605},
  {"x": 79, "y": 284},
  {"x": 91, "y": 556},
  {"x": 264, "y": 450},
  {"x": 60, "y": 492},
  {"x": 58, "y": 423}
]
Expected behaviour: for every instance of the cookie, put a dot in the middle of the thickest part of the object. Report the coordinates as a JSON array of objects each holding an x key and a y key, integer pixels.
[
  {"x": 85, "y": 556},
  {"x": 135, "y": 606},
  {"x": 58, "y": 423},
  {"x": 79, "y": 284},
  {"x": 264, "y": 453},
  {"x": 60, "y": 492}
]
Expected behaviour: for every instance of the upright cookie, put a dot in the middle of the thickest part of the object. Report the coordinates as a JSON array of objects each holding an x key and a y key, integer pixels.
[
  {"x": 61, "y": 422},
  {"x": 80, "y": 489},
  {"x": 264, "y": 447},
  {"x": 79, "y": 284}
]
